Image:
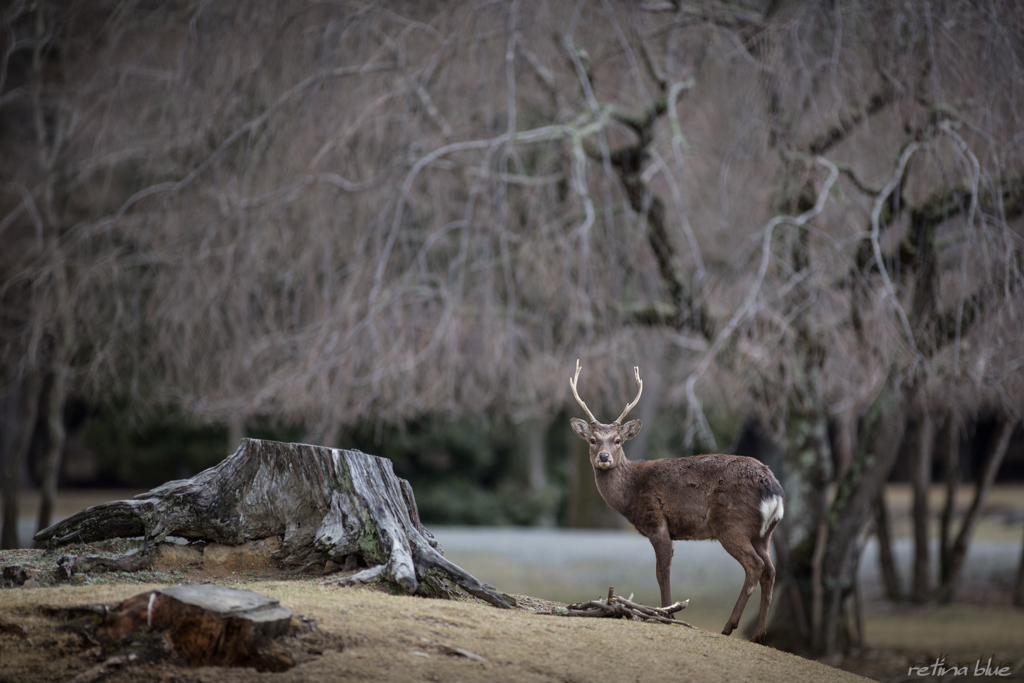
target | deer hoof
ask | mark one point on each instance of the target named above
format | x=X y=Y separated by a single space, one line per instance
x=728 y=629
x=758 y=638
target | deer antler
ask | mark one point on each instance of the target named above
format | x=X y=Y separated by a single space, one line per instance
x=630 y=406
x=572 y=383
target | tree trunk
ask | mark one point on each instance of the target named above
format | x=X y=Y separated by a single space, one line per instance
x=805 y=475
x=30 y=389
x=817 y=589
x=877 y=448
x=958 y=553
x=921 y=476
x=951 y=454
x=534 y=433
x=886 y=560
x=326 y=504
x=528 y=467
x=536 y=462
x=55 y=439
x=806 y=462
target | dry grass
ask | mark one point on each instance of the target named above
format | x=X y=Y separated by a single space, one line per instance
x=382 y=637
x=901 y=636
x=952 y=629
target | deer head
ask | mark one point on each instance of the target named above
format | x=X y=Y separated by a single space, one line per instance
x=605 y=439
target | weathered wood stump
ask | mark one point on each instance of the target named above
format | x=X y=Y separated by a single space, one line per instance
x=325 y=503
x=207 y=625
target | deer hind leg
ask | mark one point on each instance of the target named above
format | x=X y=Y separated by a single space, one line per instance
x=767 y=585
x=663 y=551
x=753 y=565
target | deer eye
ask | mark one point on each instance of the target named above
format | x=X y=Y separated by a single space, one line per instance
x=593 y=440
x=618 y=441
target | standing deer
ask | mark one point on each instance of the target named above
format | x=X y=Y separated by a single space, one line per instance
x=730 y=498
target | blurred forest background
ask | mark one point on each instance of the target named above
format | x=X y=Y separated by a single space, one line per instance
x=396 y=225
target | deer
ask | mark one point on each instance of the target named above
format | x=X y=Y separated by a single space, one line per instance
x=729 y=498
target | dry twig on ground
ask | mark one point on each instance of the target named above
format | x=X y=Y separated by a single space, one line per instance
x=618 y=607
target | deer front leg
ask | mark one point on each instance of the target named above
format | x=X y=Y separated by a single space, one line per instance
x=663 y=550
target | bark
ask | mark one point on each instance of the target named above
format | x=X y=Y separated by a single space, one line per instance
x=806 y=474
x=806 y=462
x=818 y=591
x=843 y=452
x=951 y=453
x=921 y=475
x=876 y=453
x=202 y=624
x=30 y=389
x=807 y=457
x=958 y=552
x=532 y=433
x=798 y=615
x=536 y=431
x=886 y=560
x=326 y=504
x=56 y=437
x=528 y=468
x=688 y=310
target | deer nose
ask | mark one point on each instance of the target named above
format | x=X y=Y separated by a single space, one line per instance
x=604 y=457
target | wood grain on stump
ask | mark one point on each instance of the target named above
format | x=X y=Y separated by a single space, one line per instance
x=208 y=625
x=325 y=504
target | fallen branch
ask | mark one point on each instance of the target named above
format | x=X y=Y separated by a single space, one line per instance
x=618 y=607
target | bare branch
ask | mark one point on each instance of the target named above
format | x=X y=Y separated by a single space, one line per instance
x=696 y=412
x=876 y=212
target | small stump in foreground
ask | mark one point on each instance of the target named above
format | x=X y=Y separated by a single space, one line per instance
x=207 y=625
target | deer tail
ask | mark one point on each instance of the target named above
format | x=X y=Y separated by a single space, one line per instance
x=772 y=507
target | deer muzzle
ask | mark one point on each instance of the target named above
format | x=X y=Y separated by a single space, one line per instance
x=604 y=460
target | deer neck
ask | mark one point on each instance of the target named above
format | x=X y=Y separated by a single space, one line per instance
x=615 y=485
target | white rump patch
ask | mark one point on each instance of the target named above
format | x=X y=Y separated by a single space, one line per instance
x=771 y=512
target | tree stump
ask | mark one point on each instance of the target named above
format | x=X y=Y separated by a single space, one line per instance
x=325 y=503
x=208 y=625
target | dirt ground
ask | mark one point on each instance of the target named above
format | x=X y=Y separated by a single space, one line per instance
x=367 y=634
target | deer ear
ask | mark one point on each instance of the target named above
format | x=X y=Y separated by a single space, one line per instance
x=630 y=429
x=581 y=428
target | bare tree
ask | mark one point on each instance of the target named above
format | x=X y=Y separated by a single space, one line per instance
x=325 y=214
